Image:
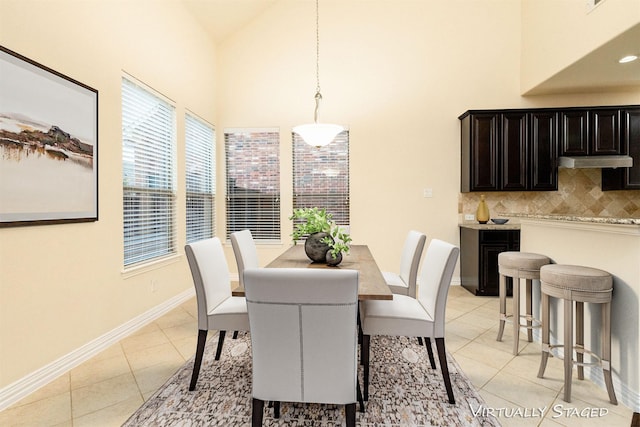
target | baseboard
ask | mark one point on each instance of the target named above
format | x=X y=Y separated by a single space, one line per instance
x=43 y=376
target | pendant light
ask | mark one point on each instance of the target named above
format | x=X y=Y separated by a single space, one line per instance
x=318 y=134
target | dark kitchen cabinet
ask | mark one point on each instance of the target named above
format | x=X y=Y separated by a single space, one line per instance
x=589 y=131
x=479 y=250
x=480 y=152
x=626 y=178
x=508 y=150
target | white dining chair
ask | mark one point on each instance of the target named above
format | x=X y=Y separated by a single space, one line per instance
x=303 y=337
x=423 y=316
x=244 y=249
x=404 y=281
x=217 y=308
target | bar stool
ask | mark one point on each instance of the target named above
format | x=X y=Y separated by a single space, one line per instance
x=518 y=265
x=580 y=284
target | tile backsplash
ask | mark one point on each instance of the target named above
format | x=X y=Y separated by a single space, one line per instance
x=579 y=194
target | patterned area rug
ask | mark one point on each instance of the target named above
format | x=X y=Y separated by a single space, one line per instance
x=403 y=391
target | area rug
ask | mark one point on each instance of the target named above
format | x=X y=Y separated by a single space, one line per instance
x=403 y=391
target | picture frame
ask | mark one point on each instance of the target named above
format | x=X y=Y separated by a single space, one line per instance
x=48 y=145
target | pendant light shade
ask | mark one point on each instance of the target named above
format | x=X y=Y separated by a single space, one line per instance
x=318 y=134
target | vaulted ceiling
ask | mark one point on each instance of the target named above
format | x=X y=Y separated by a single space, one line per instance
x=597 y=71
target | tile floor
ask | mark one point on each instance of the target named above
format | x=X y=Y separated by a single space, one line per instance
x=107 y=389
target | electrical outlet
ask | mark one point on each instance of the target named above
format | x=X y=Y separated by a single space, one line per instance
x=427 y=192
x=469 y=217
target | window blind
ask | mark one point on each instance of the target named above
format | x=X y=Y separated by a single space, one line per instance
x=253 y=182
x=148 y=165
x=200 y=163
x=321 y=176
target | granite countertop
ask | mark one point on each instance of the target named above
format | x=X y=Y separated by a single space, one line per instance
x=577 y=218
x=514 y=222
x=490 y=226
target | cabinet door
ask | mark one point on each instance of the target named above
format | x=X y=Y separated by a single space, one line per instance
x=513 y=152
x=605 y=132
x=626 y=178
x=484 y=152
x=574 y=138
x=489 y=276
x=631 y=141
x=543 y=172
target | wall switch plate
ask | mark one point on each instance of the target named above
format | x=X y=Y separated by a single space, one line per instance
x=427 y=192
x=469 y=217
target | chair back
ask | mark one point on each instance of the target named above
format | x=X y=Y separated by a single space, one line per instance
x=303 y=334
x=210 y=273
x=244 y=249
x=410 y=260
x=435 y=279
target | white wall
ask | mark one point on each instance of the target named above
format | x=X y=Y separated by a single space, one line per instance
x=63 y=285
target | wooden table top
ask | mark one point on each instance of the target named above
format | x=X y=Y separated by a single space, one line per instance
x=371 y=282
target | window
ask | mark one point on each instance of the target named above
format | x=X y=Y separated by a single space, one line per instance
x=200 y=160
x=253 y=182
x=148 y=174
x=321 y=176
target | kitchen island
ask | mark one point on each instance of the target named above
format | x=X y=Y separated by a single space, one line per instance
x=609 y=244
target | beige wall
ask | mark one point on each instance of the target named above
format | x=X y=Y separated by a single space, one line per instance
x=398 y=73
x=556 y=34
x=62 y=286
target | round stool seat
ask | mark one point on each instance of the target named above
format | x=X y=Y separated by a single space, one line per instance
x=521 y=264
x=576 y=278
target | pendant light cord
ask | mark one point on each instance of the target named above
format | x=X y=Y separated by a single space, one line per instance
x=318 y=96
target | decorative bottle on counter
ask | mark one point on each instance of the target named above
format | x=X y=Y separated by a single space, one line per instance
x=482 y=213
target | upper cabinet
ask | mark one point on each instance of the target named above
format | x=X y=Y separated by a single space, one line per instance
x=508 y=150
x=626 y=178
x=518 y=149
x=588 y=131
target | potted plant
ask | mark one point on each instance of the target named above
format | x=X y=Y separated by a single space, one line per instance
x=325 y=241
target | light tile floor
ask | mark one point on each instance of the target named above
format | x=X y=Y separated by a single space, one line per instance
x=107 y=389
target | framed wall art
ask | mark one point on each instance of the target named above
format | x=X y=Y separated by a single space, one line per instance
x=48 y=145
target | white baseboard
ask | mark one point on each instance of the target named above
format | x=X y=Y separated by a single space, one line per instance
x=43 y=376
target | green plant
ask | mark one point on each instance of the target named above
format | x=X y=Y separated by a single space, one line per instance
x=316 y=220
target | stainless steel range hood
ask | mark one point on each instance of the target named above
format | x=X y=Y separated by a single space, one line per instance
x=578 y=162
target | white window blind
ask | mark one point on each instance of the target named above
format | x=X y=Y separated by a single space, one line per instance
x=200 y=164
x=253 y=182
x=148 y=164
x=321 y=176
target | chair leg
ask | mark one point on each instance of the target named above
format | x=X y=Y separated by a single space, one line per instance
x=220 y=342
x=276 y=409
x=427 y=343
x=359 y=395
x=516 y=314
x=257 y=412
x=503 y=305
x=202 y=339
x=545 y=334
x=350 y=414
x=442 y=355
x=364 y=356
x=235 y=335
x=420 y=341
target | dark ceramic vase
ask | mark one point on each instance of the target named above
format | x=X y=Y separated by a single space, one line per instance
x=333 y=261
x=315 y=248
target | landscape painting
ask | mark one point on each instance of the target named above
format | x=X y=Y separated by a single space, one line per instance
x=48 y=145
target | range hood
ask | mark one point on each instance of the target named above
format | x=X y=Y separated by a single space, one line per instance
x=577 y=162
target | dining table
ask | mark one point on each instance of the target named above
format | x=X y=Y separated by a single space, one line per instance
x=371 y=283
